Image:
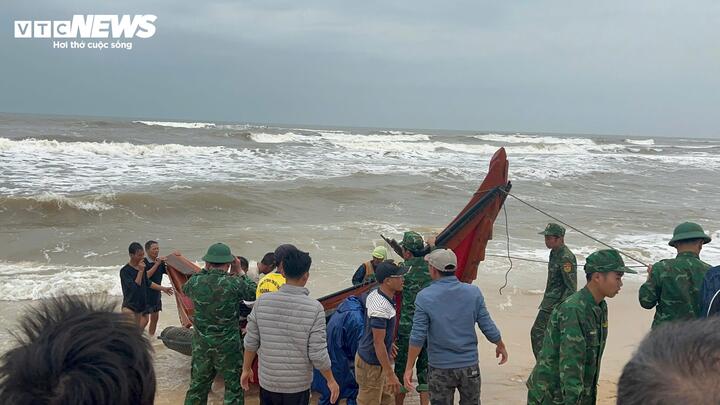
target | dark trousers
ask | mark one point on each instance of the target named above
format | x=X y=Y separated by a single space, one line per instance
x=276 y=398
x=442 y=384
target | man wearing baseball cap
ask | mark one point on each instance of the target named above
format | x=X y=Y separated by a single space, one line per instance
x=366 y=271
x=568 y=365
x=446 y=313
x=216 y=345
x=673 y=285
x=561 y=281
x=377 y=383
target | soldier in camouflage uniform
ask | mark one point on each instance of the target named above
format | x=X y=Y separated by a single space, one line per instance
x=416 y=278
x=568 y=365
x=673 y=285
x=561 y=281
x=216 y=343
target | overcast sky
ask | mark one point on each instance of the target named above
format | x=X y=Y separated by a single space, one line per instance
x=646 y=67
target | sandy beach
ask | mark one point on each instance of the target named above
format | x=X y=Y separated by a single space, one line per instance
x=514 y=312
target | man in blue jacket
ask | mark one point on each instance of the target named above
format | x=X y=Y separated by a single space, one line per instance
x=343 y=334
x=446 y=313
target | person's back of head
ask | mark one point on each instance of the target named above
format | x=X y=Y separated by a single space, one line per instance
x=269 y=259
x=296 y=263
x=73 y=350
x=244 y=264
x=676 y=363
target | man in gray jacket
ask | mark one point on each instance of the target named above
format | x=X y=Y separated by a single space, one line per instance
x=286 y=329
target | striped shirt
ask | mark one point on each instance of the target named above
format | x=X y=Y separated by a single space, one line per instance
x=380 y=310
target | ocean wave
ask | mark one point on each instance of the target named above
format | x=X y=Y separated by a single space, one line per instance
x=170 y=124
x=33 y=281
x=287 y=137
x=53 y=202
x=641 y=142
x=535 y=139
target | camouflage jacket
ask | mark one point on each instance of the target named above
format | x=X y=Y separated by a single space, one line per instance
x=561 y=279
x=417 y=278
x=674 y=287
x=216 y=296
x=568 y=365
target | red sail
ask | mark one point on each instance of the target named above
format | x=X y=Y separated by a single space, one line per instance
x=468 y=234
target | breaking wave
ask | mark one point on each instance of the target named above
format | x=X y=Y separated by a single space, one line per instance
x=169 y=124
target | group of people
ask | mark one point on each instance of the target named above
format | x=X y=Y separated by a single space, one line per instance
x=83 y=352
x=567 y=338
x=286 y=330
x=570 y=331
x=141 y=283
x=433 y=339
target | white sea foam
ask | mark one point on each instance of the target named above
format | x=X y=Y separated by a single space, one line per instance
x=169 y=124
x=32 y=281
x=643 y=142
x=533 y=139
x=83 y=167
x=85 y=203
x=281 y=138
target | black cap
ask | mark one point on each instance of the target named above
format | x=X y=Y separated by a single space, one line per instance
x=387 y=269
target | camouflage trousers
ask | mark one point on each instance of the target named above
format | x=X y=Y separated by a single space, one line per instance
x=537 y=332
x=443 y=383
x=403 y=343
x=224 y=357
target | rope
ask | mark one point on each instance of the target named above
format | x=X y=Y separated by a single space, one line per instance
x=569 y=226
x=507 y=234
x=525 y=259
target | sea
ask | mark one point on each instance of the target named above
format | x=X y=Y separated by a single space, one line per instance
x=76 y=191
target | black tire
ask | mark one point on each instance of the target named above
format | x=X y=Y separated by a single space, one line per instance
x=177 y=339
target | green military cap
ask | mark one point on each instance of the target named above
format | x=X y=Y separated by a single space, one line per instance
x=218 y=253
x=688 y=230
x=553 y=229
x=605 y=261
x=412 y=241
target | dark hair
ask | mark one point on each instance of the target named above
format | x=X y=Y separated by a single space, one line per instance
x=281 y=251
x=588 y=277
x=243 y=263
x=74 y=350
x=149 y=244
x=134 y=248
x=689 y=241
x=269 y=259
x=296 y=263
x=676 y=363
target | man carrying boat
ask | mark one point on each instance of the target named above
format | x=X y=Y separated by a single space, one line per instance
x=673 y=285
x=416 y=278
x=366 y=271
x=561 y=281
x=568 y=365
x=216 y=347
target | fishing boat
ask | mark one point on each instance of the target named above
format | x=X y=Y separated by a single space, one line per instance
x=467 y=235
